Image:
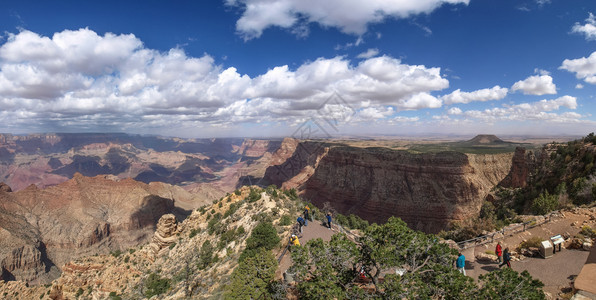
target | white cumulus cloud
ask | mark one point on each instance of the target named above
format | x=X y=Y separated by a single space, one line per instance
x=588 y=29
x=349 y=16
x=534 y=111
x=536 y=85
x=79 y=79
x=457 y=96
x=584 y=67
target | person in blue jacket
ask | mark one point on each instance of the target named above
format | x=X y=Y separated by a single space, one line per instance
x=329 y=220
x=300 y=221
x=460 y=263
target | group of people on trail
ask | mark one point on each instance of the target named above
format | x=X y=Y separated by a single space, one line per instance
x=506 y=255
x=503 y=258
x=303 y=221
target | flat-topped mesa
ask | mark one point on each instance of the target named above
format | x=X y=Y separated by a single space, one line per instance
x=484 y=139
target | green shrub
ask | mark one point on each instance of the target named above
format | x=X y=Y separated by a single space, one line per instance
x=285 y=220
x=214 y=225
x=79 y=292
x=194 y=232
x=155 y=285
x=263 y=235
x=114 y=296
x=126 y=259
x=253 y=196
x=252 y=277
x=588 y=231
x=116 y=253
x=240 y=231
x=545 y=203
x=172 y=245
x=205 y=255
x=534 y=242
x=237 y=192
x=226 y=238
x=232 y=209
x=291 y=193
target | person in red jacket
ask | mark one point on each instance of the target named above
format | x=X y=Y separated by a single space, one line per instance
x=499 y=251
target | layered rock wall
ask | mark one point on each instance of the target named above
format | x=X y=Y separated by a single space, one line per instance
x=428 y=191
x=41 y=229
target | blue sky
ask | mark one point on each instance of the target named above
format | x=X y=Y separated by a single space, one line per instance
x=269 y=68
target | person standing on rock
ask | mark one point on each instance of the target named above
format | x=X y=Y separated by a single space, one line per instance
x=460 y=263
x=506 y=258
x=329 y=220
x=300 y=221
x=499 y=252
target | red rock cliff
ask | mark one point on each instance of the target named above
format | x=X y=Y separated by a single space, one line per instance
x=428 y=191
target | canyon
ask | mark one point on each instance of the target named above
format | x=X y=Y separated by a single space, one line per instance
x=74 y=195
x=427 y=190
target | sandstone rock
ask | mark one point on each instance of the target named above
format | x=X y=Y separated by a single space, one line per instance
x=587 y=245
x=5 y=188
x=428 y=191
x=485 y=257
x=452 y=244
x=574 y=243
x=522 y=166
x=23 y=262
x=165 y=235
x=79 y=217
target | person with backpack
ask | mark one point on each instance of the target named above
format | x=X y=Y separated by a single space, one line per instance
x=329 y=220
x=294 y=240
x=300 y=221
x=506 y=258
x=499 y=252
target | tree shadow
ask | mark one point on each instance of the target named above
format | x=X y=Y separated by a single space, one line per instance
x=488 y=266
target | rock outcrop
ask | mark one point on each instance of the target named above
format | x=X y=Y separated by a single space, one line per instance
x=523 y=165
x=5 y=188
x=165 y=235
x=41 y=229
x=428 y=191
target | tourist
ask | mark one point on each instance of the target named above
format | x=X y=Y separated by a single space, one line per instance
x=300 y=221
x=460 y=264
x=306 y=215
x=506 y=258
x=294 y=240
x=329 y=220
x=499 y=252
